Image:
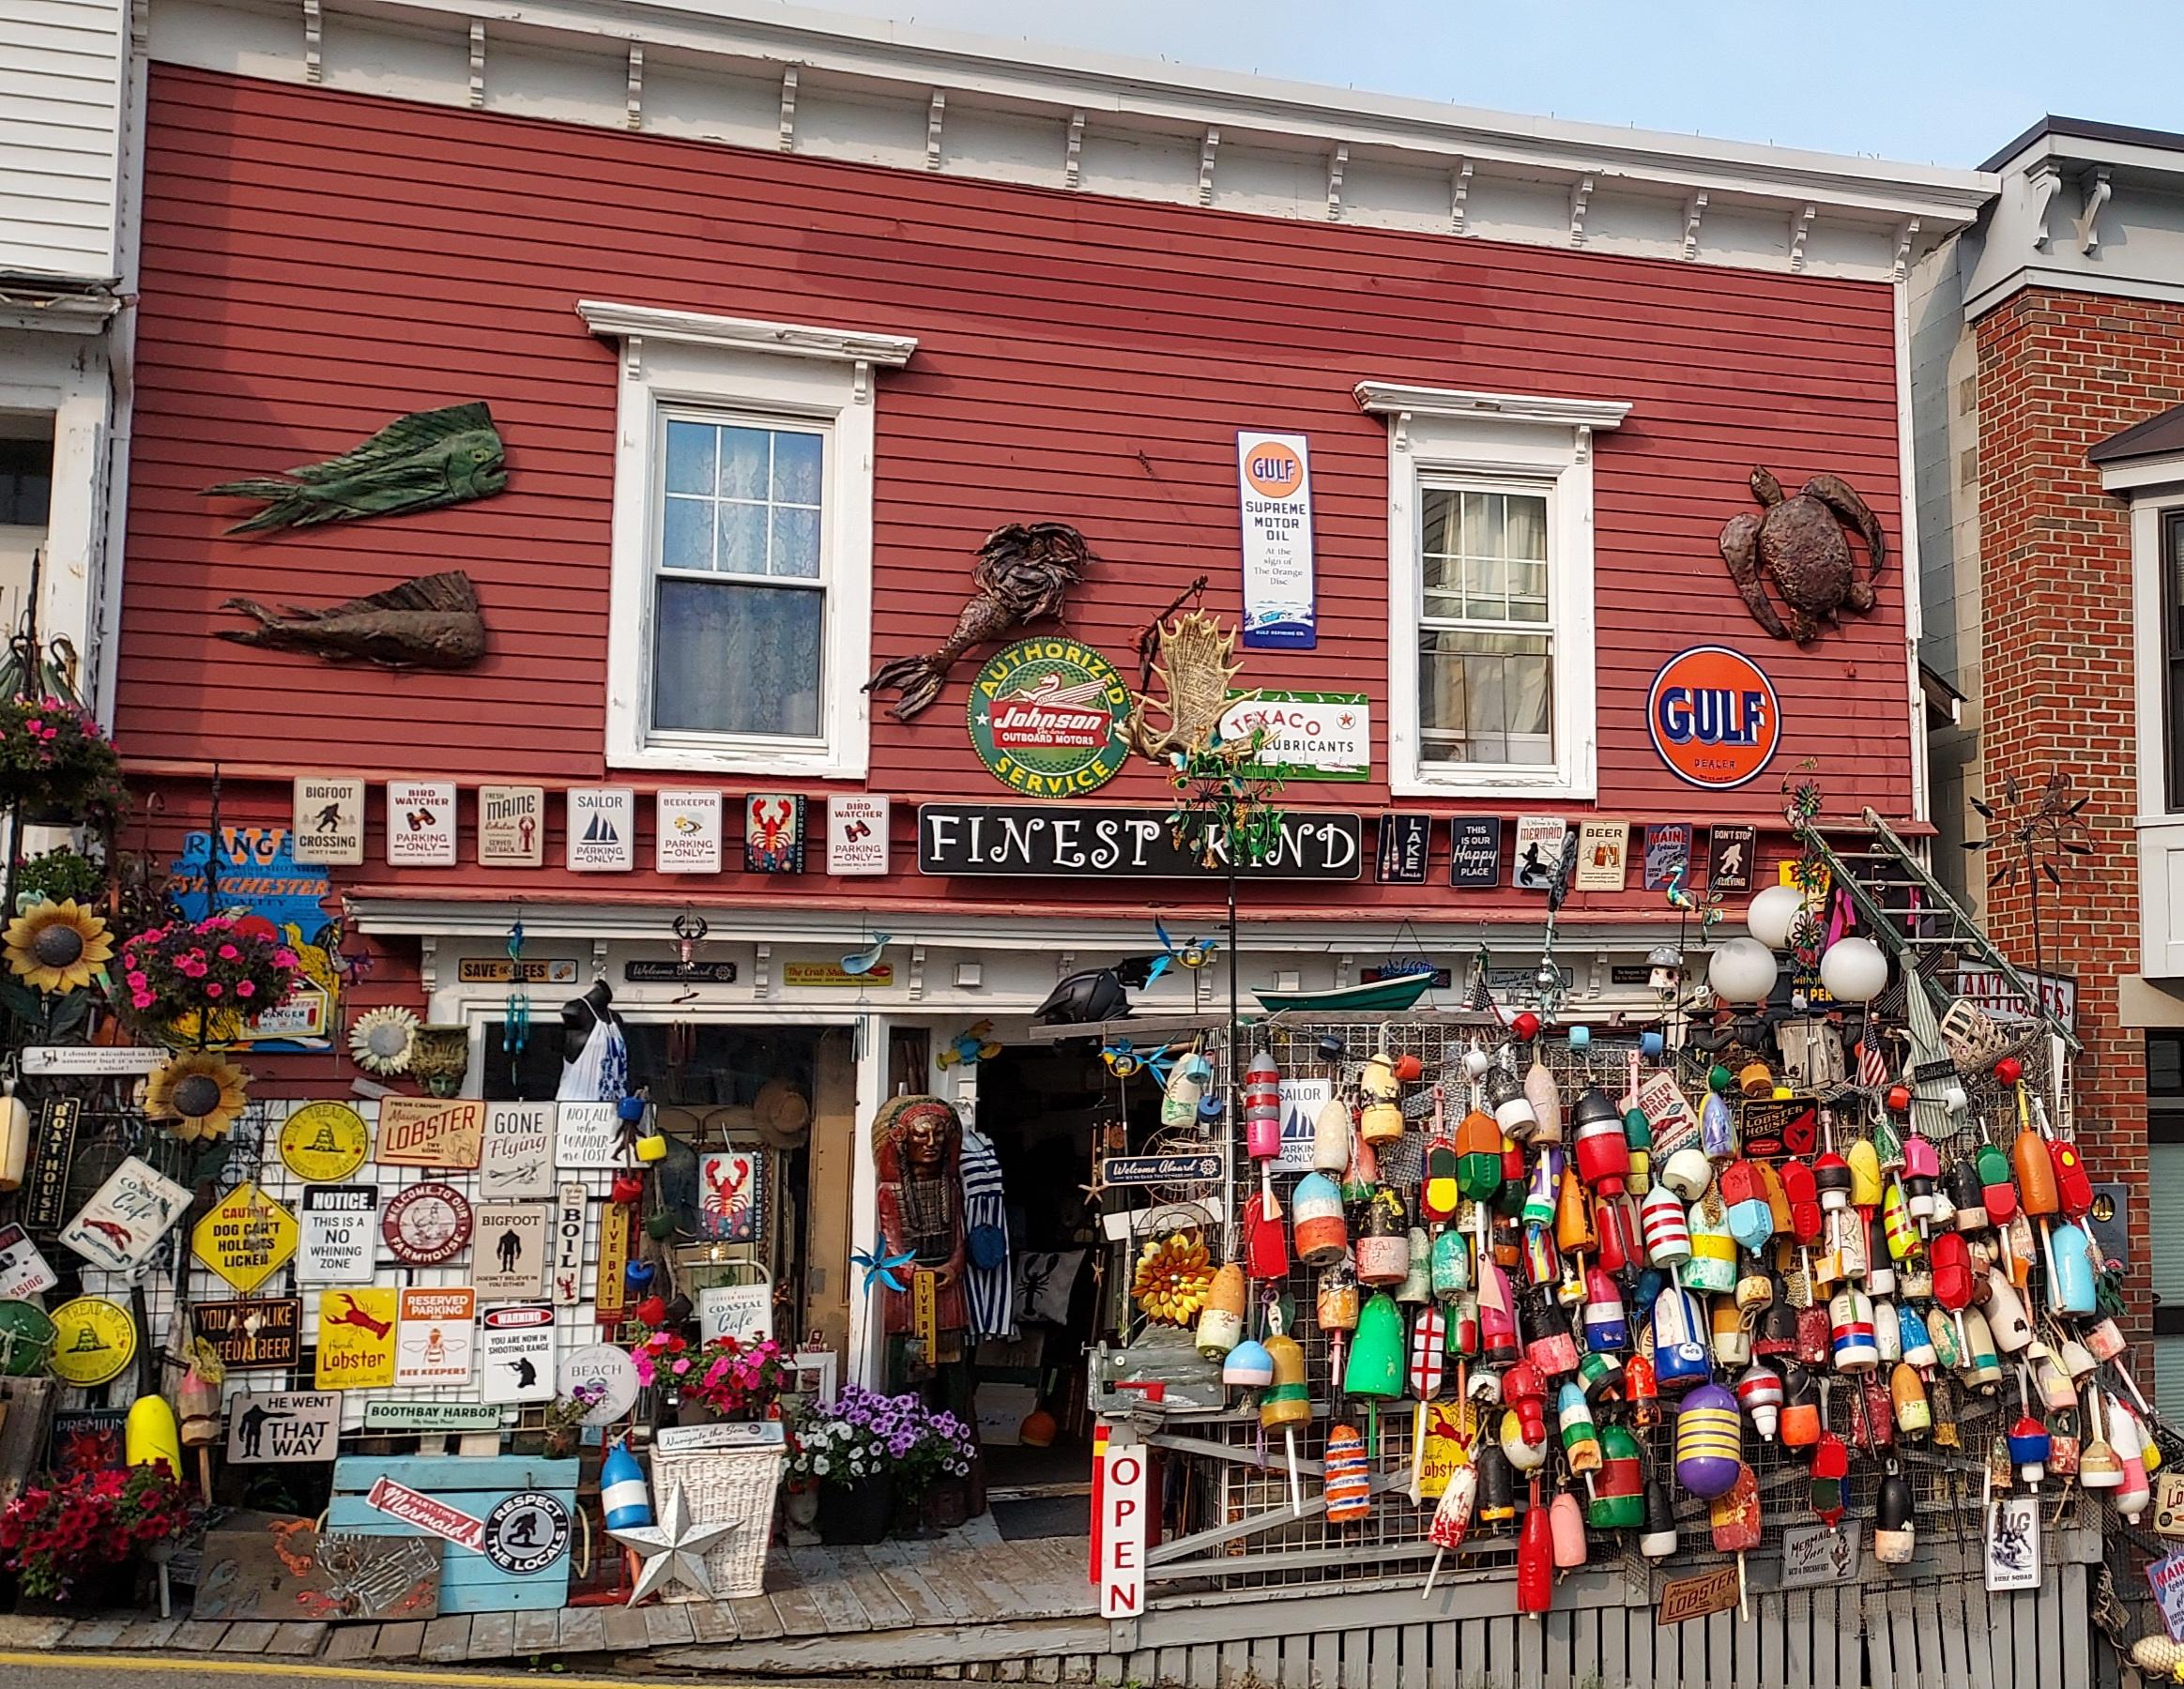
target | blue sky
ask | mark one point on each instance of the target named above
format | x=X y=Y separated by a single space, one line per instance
x=1912 y=79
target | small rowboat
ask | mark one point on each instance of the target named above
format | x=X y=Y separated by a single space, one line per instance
x=1389 y=996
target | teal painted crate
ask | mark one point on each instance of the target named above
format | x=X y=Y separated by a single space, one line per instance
x=469 y=1583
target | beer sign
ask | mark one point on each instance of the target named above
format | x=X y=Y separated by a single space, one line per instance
x=251 y=1336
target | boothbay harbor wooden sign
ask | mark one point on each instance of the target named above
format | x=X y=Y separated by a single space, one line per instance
x=1028 y=839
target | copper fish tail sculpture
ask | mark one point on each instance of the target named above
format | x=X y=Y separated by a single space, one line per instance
x=417 y=462
x=1023 y=574
x=430 y=623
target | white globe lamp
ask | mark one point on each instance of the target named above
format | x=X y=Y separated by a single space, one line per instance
x=1854 y=970
x=1742 y=971
x=1772 y=915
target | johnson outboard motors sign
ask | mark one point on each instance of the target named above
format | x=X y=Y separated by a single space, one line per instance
x=1030 y=839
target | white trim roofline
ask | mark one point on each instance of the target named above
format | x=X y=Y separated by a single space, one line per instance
x=1046 y=78
x=746 y=334
x=1393 y=398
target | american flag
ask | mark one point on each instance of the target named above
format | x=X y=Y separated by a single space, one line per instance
x=1872 y=1065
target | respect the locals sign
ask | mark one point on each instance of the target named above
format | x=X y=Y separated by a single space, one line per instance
x=1134 y=844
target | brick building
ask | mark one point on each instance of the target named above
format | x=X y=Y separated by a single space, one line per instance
x=2051 y=326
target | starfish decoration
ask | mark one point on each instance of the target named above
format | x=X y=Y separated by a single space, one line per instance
x=673 y=1550
x=880 y=1265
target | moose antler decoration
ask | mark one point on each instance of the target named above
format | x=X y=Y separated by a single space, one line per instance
x=1023 y=574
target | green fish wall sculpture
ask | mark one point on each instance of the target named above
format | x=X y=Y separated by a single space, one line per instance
x=417 y=462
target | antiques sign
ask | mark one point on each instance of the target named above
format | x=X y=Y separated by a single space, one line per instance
x=1991 y=990
x=1274 y=478
x=1133 y=844
x=251 y=1336
x=1048 y=717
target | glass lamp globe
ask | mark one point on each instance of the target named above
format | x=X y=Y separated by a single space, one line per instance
x=1854 y=970
x=1742 y=971
x=1774 y=913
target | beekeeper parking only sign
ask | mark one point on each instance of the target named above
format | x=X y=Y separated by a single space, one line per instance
x=1274 y=478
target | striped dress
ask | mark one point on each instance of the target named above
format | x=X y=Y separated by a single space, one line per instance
x=991 y=1290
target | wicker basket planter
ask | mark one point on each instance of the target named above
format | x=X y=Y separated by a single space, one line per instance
x=723 y=1484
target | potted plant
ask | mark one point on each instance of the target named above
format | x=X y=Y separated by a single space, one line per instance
x=188 y=977
x=729 y=1379
x=60 y=1538
x=564 y=1417
x=725 y=1379
x=55 y=763
x=872 y=1455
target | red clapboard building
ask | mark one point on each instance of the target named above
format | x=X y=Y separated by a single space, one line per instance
x=776 y=324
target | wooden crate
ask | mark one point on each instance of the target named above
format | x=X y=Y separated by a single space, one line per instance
x=469 y=1583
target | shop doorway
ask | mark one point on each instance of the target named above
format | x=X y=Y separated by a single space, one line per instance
x=1046 y=1108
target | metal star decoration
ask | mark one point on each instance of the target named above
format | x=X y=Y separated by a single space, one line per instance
x=673 y=1550
x=879 y=1266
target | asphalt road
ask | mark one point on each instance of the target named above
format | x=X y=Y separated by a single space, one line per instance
x=23 y=1671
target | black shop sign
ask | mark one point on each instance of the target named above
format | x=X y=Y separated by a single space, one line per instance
x=1133 y=844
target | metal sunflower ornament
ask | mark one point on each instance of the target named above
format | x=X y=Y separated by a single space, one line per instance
x=2033 y=831
x=57 y=947
x=383 y=1041
x=198 y=1095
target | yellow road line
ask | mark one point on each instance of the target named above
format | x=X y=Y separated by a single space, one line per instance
x=178 y=1663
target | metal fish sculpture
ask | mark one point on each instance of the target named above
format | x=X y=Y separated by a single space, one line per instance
x=429 y=623
x=417 y=462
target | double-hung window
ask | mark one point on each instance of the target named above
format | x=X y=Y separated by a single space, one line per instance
x=742 y=597
x=1490 y=589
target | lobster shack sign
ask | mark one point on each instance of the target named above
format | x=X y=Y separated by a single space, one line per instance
x=1136 y=843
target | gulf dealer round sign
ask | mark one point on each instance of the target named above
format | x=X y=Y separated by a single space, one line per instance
x=1713 y=717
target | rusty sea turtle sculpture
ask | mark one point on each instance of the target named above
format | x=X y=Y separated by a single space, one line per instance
x=1798 y=543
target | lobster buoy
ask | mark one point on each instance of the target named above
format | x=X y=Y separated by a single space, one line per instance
x=1322 y=1234
x=1709 y=1441
x=622 y=1492
x=150 y=1436
x=1894 y=1531
x=14 y=1138
x=1619 y=1492
x=1348 y=1485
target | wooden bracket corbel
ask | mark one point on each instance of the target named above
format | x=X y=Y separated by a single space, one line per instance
x=1401 y=435
x=761 y=970
x=477 y=63
x=1584 y=443
x=861 y=382
x=1580 y=196
x=1072 y=158
x=1906 y=232
x=1800 y=227
x=917 y=973
x=1694 y=208
x=1335 y=166
x=787 y=140
x=2099 y=187
x=936 y=110
x=633 y=357
x=2044 y=181
x=1207 y=148
x=1458 y=193
x=140 y=25
x=314 y=35
x=634 y=113
x=428 y=965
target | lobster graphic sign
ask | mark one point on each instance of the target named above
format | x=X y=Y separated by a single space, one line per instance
x=731 y=1195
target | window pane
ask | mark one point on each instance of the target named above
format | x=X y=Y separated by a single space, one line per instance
x=1486 y=697
x=796 y=544
x=686 y=534
x=1486 y=584
x=690 y=457
x=1473 y=537
x=1527 y=527
x=744 y=539
x=744 y=454
x=1437 y=523
x=1527 y=591
x=796 y=468
x=734 y=658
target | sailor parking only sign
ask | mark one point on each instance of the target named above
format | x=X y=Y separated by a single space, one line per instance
x=1713 y=717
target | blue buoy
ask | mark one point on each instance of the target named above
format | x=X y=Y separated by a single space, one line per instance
x=622 y=1492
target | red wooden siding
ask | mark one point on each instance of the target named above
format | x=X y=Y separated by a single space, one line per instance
x=316 y=263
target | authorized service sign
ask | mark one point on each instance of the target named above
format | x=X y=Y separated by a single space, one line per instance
x=1047 y=718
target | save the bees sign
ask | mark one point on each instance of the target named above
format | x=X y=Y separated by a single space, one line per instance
x=246 y=1239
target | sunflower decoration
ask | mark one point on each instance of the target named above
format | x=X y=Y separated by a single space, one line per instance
x=383 y=1041
x=57 y=947
x=198 y=1093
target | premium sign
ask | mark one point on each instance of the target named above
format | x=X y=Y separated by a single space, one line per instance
x=429 y=1131
x=356 y=1338
x=426 y=1225
x=435 y=1335
x=512 y=826
x=53 y=1152
x=420 y=824
x=516 y=1353
x=1274 y=480
x=603 y=828
x=587 y=1137
x=126 y=1218
x=251 y=1336
x=1133 y=844
x=518 y=1159
x=246 y=1239
x=686 y=831
x=323 y=1143
x=857 y=835
x=1306 y=736
x=23 y=1271
x=282 y=1428
x=1713 y=717
x=339 y=1232
x=327 y=821
x=572 y=1203
x=514 y=1240
x=430 y=1515
x=1050 y=716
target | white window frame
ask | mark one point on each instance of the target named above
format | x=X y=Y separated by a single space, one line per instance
x=732 y=370
x=1504 y=443
x=2154 y=488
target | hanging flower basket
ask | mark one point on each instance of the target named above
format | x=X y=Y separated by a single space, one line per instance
x=209 y=975
x=55 y=763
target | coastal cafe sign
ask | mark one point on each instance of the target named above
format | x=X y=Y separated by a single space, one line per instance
x=1136 y=843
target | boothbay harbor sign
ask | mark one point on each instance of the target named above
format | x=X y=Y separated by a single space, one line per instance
x=1010 y=839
